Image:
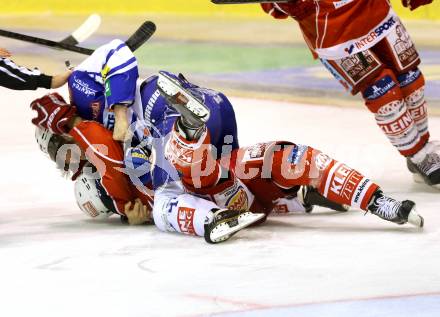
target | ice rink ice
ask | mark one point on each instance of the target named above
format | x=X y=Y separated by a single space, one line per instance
x=56 y=262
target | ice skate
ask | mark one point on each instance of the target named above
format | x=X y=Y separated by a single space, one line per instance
x=309 y=197
x=194 y=112
x=399 y=212
x=224 y=223
x=425 y=165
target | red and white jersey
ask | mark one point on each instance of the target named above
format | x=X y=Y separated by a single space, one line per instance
x=107 y=156
x=337 y=29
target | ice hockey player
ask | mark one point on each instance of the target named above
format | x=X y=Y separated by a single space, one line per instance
x=87 y=149
x=365 y=46
x=17 y=77
x=255 y=177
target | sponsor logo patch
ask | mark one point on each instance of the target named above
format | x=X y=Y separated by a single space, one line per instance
x=373 y=36
x=380 y=88
x=238 y=200
x=344 y=182
x=359 y=67
x=408 y=78
x=350 y=49
x=83 y=87
x=185 y=219
x=90 y=209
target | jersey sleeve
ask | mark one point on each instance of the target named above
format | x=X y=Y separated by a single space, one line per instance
x=114 y=67
x=120 y=74
x=107 y=156
x=17 y=77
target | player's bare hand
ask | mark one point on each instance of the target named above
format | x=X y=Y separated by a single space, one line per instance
x=60 y=79
x=4 y=53
x=137 y=213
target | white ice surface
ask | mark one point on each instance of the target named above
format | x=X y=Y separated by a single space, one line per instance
x=55 y=262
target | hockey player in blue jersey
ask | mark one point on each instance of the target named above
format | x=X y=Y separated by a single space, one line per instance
x=105 y=88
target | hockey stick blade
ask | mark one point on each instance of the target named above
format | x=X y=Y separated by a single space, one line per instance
x=246 y=1
x=45 y=42
x=84 y=31
x=142 y=34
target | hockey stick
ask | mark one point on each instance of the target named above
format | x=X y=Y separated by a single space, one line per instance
x=84 y=31
x=45 y=42
x=246 y=1
x=136 y=40
x=141 y=35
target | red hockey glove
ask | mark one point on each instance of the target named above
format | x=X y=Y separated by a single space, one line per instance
x=297 y=9
x=414 y=4
x=53 y=113
x=269 y=8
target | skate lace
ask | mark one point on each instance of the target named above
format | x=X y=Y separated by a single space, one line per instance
x=430 y=164
x=387 y=208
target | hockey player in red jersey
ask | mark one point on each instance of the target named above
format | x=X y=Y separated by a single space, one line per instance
x=367 y=49
x=73 y=143
x=256 y=177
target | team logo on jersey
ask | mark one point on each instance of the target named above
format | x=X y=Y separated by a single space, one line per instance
x=90 y=209
x=185 y=219
x=238 y=200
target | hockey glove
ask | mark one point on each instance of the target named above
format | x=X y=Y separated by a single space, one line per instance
x=299 y=9
x=53 y=113
x=414 y=4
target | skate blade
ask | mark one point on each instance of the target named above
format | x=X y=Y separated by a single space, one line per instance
x=172 y=88
x=415 y=219
x=419 y=180
x=223 y=231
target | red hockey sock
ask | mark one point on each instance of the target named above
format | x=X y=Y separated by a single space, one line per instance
x=384 y=98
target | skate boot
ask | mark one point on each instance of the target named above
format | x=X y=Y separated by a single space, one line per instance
x=309 y=197
x=224 y=223
x=425 y=165
x=399 y=212
x=194 y=114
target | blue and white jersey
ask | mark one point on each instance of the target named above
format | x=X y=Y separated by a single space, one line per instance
x=153 y=120
x=106 y=78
